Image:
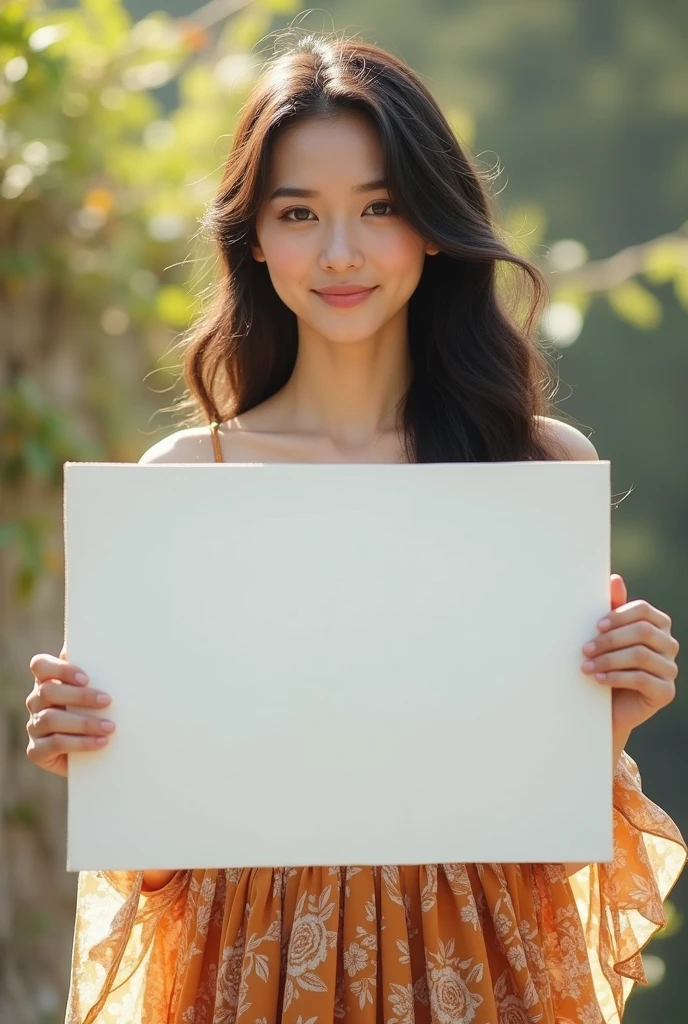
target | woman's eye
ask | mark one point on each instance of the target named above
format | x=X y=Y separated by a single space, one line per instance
x=374 y=207
x=301 y=214
x=295 y=210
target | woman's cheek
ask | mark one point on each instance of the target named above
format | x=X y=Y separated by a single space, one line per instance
x=287 y=261
x=400 y=253
x=289 y=276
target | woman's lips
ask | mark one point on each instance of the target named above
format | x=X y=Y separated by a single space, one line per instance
x=349 y=299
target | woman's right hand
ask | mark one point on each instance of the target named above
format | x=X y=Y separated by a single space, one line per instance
x=55 y=726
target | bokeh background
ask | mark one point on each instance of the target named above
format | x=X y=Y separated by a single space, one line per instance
x=114 y=123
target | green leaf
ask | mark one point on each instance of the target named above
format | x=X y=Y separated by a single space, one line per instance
x=173 y=305
x=111 y=18
x=635 y=304
x=681 y=287
x=244 y=31
x=665 y=261
x=197 y=85
x=283 y=6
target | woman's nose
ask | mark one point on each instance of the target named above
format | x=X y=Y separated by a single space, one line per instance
x=340 y=251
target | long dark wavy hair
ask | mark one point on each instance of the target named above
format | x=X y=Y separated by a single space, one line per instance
x=479 y=379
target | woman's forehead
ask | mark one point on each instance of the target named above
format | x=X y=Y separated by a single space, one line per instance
x=326 y=153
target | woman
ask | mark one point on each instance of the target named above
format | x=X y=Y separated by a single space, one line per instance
x=359 y=320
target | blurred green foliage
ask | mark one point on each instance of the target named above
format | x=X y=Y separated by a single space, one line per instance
x=101 y=191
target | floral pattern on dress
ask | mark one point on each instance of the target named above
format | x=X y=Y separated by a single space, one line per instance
x=398 y=944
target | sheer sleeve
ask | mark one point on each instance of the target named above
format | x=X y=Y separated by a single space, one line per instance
x=620 y=903
x=125 y=946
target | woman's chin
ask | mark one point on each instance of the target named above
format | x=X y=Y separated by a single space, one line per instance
x=348 y=337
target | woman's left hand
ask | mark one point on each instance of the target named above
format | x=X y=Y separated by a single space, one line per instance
x=636 y=654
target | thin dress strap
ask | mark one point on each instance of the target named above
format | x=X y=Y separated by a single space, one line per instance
x=214 y=427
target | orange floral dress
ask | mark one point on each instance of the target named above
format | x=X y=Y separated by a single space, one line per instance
x=421 y=944
x=393 y=944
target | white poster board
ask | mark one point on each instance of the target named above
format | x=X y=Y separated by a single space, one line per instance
x=340 y=664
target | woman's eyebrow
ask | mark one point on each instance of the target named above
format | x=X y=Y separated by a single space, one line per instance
x=290 y=191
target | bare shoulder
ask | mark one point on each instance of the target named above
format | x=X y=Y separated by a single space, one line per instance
x=194 y=444
x=569 y=440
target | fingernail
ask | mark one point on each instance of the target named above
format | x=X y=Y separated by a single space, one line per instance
x=102 y=698
x=588 y=666
x=106 y=725
x=81 y=677
x=604 y=624
x=101 y=740
x=589 y=648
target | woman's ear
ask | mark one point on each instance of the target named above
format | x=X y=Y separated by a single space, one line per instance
x=257 y=253
x=432 y=249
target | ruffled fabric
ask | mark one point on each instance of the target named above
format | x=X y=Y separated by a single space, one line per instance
x=408 y=944
x=620 y=904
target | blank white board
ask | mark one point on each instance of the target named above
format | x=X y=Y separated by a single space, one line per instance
x=339 y=664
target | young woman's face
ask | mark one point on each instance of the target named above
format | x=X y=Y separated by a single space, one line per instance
x=327 y=221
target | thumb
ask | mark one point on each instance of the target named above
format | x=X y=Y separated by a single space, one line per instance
x=619 y=594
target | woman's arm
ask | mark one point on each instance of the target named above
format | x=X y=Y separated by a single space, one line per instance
x=636 y=653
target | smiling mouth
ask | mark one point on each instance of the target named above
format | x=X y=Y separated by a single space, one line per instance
x=348 y=298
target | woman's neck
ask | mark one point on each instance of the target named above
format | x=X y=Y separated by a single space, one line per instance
x=347 y=391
